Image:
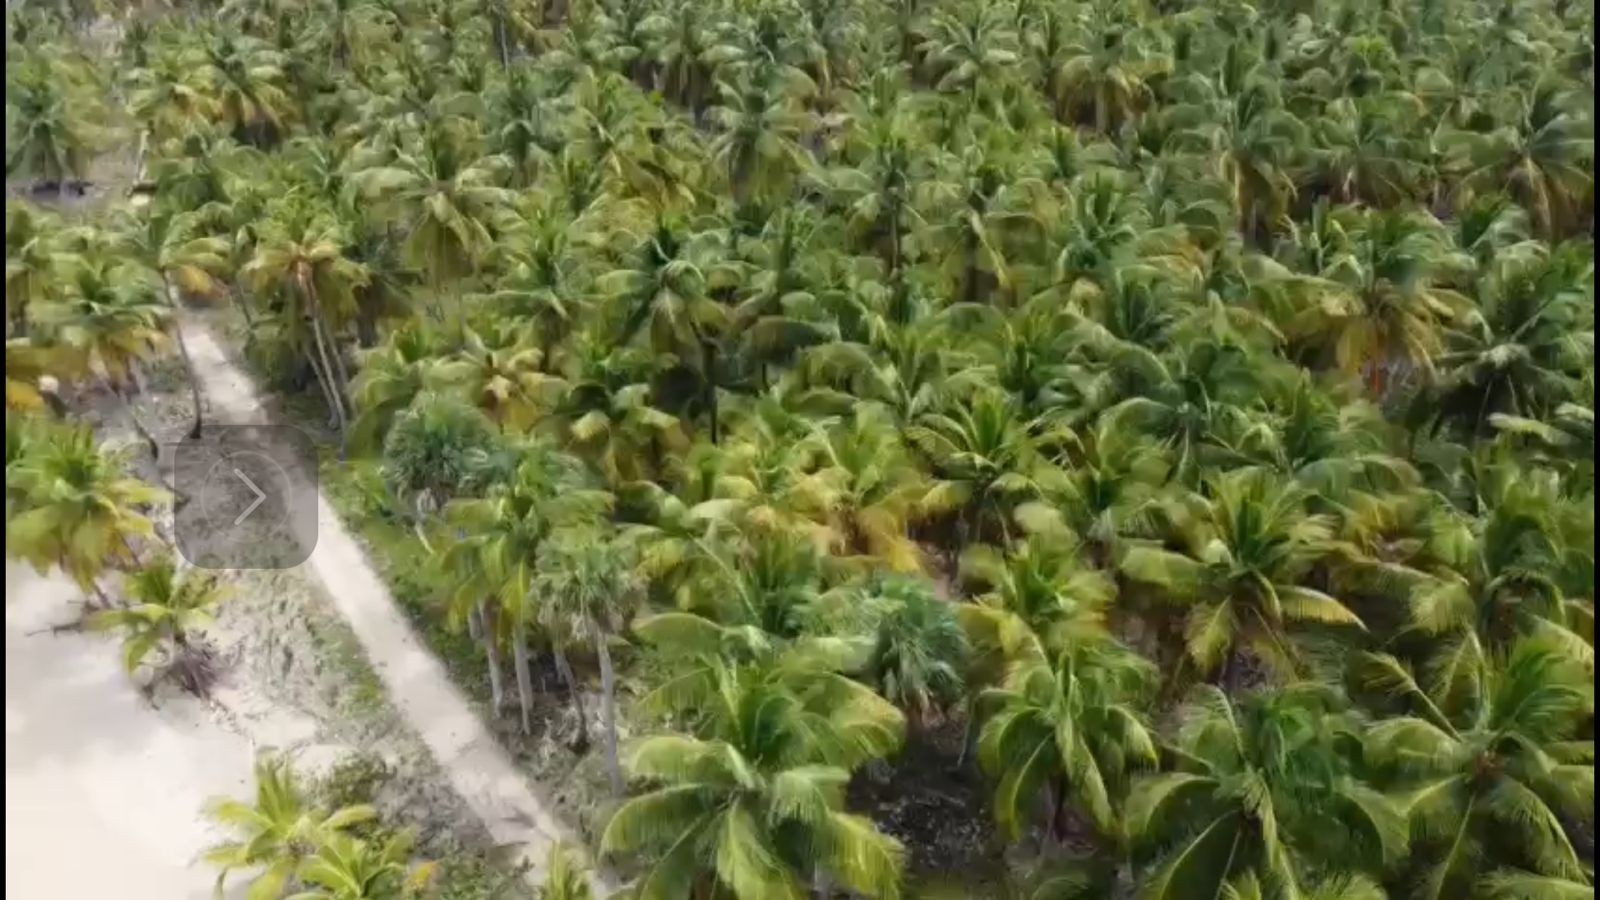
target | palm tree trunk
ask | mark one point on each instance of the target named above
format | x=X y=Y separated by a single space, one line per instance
x=608 y=709
x=969 y=733
x=519 y=660
x=501 y=45
x=339 y=368
x=491 y=649
x=183 y=351
x=564 y=667
x=322 y=351
x=327 y=390
x=138 y=159
x=244 y=309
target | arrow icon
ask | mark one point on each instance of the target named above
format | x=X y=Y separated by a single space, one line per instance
x=259 y=497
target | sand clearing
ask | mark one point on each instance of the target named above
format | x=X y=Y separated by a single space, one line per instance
x=103 y=791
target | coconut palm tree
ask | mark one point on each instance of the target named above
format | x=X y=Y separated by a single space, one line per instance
x=50 y=131
x=80 y=510
x=492 y=564
x=244 y=79
x=1489 y=788
x=920 y=651
x=1249 y=545
x=586 y=590
x=167 y=608
x=348 y=868
x=110 y=319
x=1544 y=155
x=189 y=263
x=1381 y=306
x=984 y=458
x=302 y=255
x=754 y=806
x=447 y=199
x=278 y=832
x=1069 y=727
x=1525 y=350
x=1042 y=581
x=34 y=263
x=1264 y=793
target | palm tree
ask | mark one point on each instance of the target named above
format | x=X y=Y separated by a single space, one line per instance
x=920 y=650
x=566 y=877
x=971 y=48
x=587 y=589
x=872 y=486
x=1041 y=580
x=664 y=294
x=277 y=833
x=110 y=319
x=34 y=263
x=390 y=378
x=1545 y=156
x=1380 y=306
x=244 y=80
x=1248 y=547
x=302 y=254
x=1264 y=791
x=1067 y=725
x=1365 y=153
x=80 y=511
x=878 y=191
x=1522 y=354
x=50 y=135
x=348 y=868
x=167 y=608
x=492 y=563
x=758 y=141
x=1499 y=581
x=1113 y=67
x=448 y=201
x=754 y=808
x=984 y=458
x=187 y=262
x=1489 y=788
x=500 y=375
x=1249 y=136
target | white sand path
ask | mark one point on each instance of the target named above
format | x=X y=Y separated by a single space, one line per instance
x=476 y=765
x=103 y=791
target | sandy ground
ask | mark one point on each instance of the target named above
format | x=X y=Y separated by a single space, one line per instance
x=103 y=791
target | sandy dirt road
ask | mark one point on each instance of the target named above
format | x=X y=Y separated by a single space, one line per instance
x=103 y=791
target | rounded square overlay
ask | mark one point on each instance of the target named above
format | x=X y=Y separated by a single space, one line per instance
x=247 y=497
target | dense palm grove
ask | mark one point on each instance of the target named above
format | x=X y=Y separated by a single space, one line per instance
x=1190 y=402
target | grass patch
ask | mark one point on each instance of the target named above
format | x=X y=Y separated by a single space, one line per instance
x=402 y=561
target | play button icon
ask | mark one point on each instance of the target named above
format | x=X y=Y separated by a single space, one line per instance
x=245 y=498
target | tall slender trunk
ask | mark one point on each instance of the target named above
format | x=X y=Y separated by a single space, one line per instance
x=322 y=351
x=244 y=309
x=327 y=390
x=608 y=709
x=501 y=45
x=969 y=732
x=339 y=367
x=564 y=667
x=183 y=351
x=708 y=356
x=491 y=649
x=519 y=659
x=138 y=160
